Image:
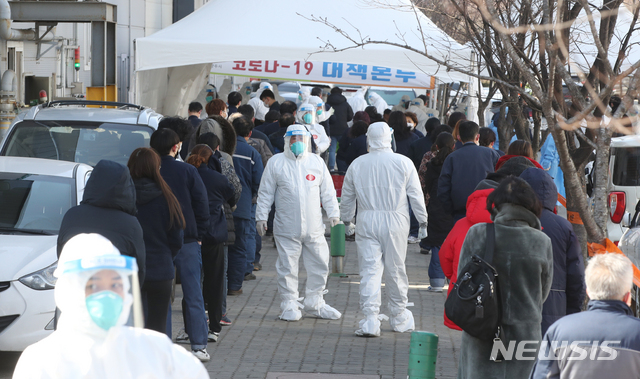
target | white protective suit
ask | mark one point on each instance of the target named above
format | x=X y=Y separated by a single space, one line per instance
x=378 y=102
x=380 y=182
x=357 y=101
x=417 y=107
x=79 y=348
x=317 y=131
x=304 y=94
x=403 y=105
x=257 y=104
x=299 y=185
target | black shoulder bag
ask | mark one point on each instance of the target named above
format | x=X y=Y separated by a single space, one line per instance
x=474 y=302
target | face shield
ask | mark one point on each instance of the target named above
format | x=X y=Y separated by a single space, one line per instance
x=297 y=142
x=306 y=114
x=98 y=291
x=321 y=114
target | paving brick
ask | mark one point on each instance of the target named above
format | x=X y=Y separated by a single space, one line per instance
x=259 y=345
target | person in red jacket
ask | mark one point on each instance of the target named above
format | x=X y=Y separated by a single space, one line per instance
x=450 y=251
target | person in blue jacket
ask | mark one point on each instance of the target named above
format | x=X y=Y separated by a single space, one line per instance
x=550 y=161
x=568 y=287
x=248 y=165
x=187 y=186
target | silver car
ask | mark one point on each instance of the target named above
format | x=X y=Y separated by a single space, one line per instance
x=80 y=131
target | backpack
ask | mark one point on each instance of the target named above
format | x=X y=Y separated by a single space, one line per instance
x=474 y=302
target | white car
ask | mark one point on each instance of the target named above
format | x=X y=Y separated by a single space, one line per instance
x=35 y=194
x=623 y=184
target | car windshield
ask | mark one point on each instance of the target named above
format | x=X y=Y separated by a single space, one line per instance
x=626 y=169
x=76 y=141
x=34 y=203
x=392 y=97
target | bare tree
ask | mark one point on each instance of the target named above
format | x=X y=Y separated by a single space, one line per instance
x=536 y=52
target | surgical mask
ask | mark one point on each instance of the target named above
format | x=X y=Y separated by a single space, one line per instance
x=297 y=148
x=412 y=126
x=307 y=118
x=248 y=90
x=299 y=97
x=209 y=98
x=104 y=308
x=319 y=112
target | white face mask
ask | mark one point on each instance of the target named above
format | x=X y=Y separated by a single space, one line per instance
x=411 y=126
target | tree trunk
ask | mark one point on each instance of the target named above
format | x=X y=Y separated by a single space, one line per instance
x=601 y=167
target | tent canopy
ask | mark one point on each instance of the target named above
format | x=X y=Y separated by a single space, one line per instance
x=283 y=31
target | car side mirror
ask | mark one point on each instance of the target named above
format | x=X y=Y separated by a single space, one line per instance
x=626 y=220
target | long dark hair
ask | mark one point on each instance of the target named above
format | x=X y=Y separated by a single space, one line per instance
x=445 y=144
x=145 y=163
x=398 y=121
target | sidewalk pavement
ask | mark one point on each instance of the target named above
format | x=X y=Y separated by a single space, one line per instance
x=259 y=345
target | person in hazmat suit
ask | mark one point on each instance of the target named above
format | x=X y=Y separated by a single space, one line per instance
x=357 y=101
x=96 y=290
x=417 y=107
x=257 y=104
x=380 y=182
x=299 y=182
x=307 y=115
x=403 y=105
x=304 y=93
x=378 y=102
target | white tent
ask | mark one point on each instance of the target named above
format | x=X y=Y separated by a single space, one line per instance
x=172 y=65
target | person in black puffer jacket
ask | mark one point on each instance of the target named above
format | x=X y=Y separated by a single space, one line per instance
x=160 y=216
x=440 y=222
x=342 y=114
x=219 y=192
x=108 y=208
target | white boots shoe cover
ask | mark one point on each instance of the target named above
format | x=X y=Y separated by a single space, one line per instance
x=315 y=306
x=402 y=322
x=370 y=326
x=291 y=310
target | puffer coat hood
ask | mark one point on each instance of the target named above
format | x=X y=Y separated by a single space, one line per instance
x=146 y=190
x=110 y=186
x=543 y=185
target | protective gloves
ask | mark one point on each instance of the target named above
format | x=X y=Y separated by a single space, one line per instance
x=262 y=227
x=334 y=221
x=422 y=233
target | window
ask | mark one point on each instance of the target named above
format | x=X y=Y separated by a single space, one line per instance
x=34 y=202
x=626 y=168
x=76 y=141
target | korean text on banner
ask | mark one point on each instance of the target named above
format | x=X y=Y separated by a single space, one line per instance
x=324 y=72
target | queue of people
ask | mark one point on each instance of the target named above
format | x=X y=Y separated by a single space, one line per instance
x=202 y=214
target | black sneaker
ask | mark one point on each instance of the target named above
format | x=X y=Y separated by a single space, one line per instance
x=213 y=336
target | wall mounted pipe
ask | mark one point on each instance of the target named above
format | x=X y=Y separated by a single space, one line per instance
x=6 y=33
x=8 y=82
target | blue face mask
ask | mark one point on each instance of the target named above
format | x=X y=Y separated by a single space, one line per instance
x=299 y=97
x=307 y=118
x=319 y=112
x=104 y=308
x=208 y=98
x=297 y=148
